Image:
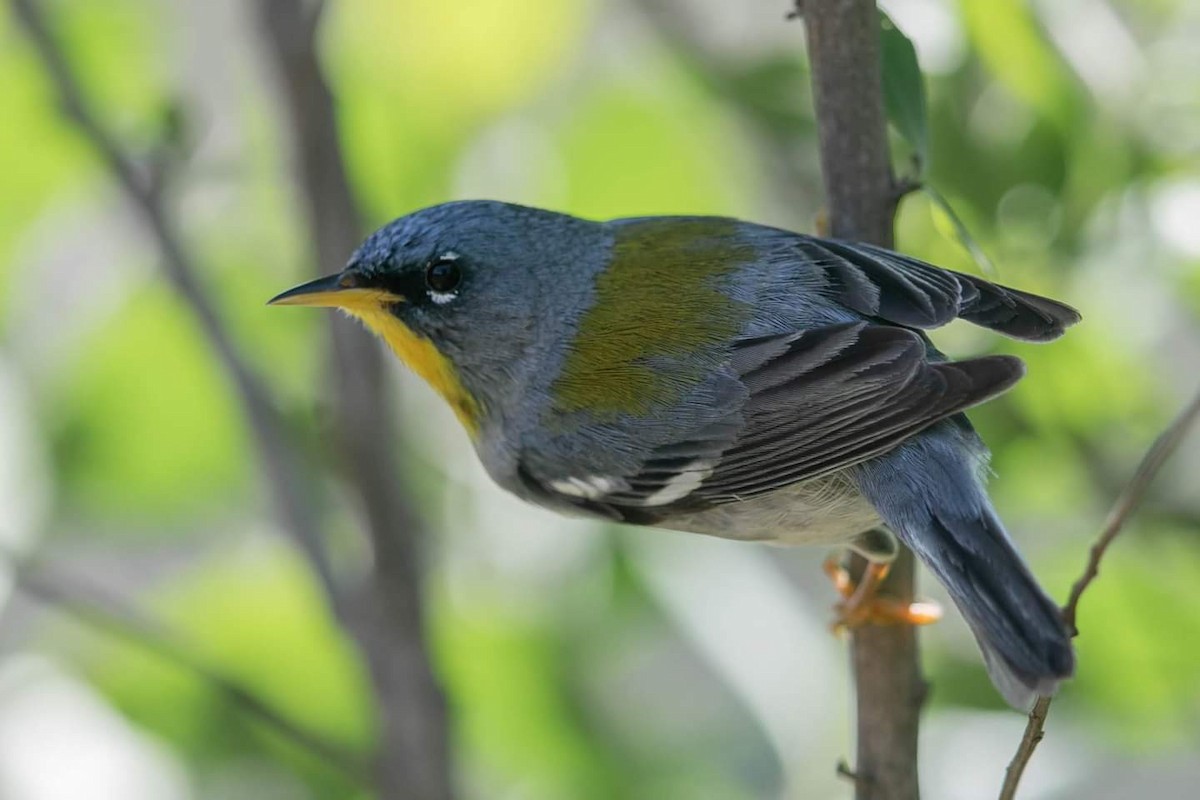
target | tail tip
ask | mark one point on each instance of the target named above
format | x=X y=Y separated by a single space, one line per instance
x=1021 y=689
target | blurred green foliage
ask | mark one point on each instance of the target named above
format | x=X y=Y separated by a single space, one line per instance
x=1067 y=174
x=253 y=612
x=105 y=461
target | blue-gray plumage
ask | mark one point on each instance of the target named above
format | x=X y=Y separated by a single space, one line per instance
x=716 y=376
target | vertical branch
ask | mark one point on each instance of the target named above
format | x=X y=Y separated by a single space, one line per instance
x=843 y=47
x=385 y=614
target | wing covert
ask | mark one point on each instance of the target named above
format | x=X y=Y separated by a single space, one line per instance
x=819 y=401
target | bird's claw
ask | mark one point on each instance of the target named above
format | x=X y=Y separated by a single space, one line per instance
x=861 y=604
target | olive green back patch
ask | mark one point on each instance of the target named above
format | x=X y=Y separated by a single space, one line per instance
x=660 y=297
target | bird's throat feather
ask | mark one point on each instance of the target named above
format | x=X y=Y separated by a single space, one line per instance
x=423 y=358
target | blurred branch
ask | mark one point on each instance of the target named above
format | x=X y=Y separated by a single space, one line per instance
x=385 y=614
x=98 y=610
x=844 y=50
x=1127 y=502
x=313 y=16
x=1104 y=475
x=293 y=487
x=1129 y=499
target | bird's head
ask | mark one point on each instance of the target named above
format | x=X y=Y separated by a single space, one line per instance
x=458 y=291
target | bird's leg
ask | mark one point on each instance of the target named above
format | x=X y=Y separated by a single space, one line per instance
x=862 y=605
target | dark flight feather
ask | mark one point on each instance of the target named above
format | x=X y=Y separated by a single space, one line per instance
x=906 y=291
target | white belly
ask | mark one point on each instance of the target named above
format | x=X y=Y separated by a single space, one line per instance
x=826 y=511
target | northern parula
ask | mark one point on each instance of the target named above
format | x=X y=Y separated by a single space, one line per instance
x=715 y=376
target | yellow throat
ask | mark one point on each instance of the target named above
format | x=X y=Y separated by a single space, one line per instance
x=423 y=358
x=420 y=354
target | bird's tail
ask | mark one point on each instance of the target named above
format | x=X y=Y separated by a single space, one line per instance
x=928 y=491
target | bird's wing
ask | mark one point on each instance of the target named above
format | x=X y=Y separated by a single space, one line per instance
x=906 y=291
x=819 y=401
x=826 y=397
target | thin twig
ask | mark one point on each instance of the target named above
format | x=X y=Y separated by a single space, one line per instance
x=843 y=771
x=102 y=611
x=1162 y=449
x=1128 y=501
x=292 y=484
x=1035 y=730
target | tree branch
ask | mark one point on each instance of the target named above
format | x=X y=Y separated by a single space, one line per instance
x=1127 y=502
x=99 y=610
x=385 y=617
x=383 y=612
x=292 y=485
x=843 y=47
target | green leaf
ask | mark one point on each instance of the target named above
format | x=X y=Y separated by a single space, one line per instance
x=961 y=232
x=904 y=89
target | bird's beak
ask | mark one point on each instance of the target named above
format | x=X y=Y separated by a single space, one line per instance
x=343 y=290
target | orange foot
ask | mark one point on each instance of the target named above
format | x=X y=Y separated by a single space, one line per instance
x=861 y=605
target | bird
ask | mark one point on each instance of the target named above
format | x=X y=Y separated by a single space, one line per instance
x=721 y=377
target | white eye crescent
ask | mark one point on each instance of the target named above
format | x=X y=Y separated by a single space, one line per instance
x=442 y=278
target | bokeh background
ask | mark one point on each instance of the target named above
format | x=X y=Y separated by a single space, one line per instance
x=579 y=661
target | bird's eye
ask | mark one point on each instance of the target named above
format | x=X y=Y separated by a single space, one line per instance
x=443 y=276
